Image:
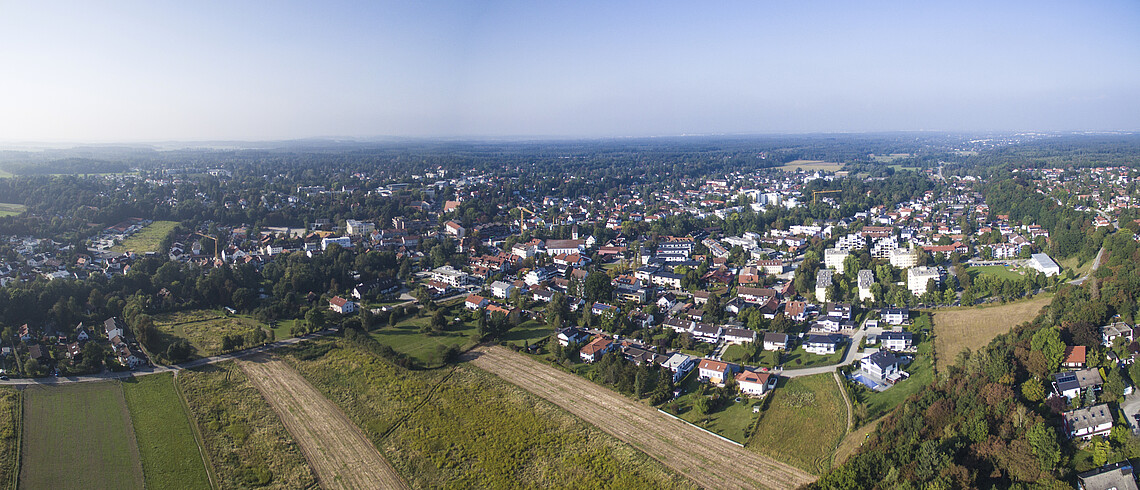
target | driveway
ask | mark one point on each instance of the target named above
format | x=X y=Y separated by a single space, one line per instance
x=1131 y=408
x=853 y=355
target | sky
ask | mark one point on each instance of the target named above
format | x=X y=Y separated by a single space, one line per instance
x=139 y=71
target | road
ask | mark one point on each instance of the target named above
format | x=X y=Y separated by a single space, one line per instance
x=852 y=356
x=1095 y=264
x=708 y=460
x=49 y=381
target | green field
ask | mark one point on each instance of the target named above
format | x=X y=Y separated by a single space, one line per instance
x=730 y=420
x=9 y=436
x=146 y=240
x=921 y=374
x=811 y=166
x=474 y=430
x=7 y=209
x=890 y=158
x=78 y=436
x=204 y=330
x=246 y=442
x=800 y=358
x=407 y=338
x=170 y=454
x=1000 y=271
x=803 y=422
x=531 y=331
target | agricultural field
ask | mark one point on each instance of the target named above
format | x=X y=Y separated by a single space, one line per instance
x=245 y=441
x=7 y=209
x=9 y=436
x=811 y=166
x=423 y=422
x=336 y=449
x=803 y=422
x=78 y=436
x=204 y=330
x=146 y=240
x=170 y=454
x=957 y=329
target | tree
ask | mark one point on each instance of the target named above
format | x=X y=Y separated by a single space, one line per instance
x=598 y=287
x=1033 y=390
x=93 y=354
x=1047 y=341
x=32 y=367
x=1043 y=440
x=178 y=351
x=315 y=318
x=1113 y=386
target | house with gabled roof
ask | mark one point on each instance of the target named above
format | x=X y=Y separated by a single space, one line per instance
x=595 y=349
x=1074 y=356
x=713 y=371
x=341 y=305
x=754 y=383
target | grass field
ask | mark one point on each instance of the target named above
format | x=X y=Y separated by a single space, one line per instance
x=7 y=209
x=170 y=454
x=804 y=421
x=247 y=444
x=957 y=329
x=9 y=436
x=474 y=430
x=921 y=372
x=999 y=271
x=731 y=420
x=531 y=331
x=202 y=328
x=811 y=165
x=146 y=240
x=1074 y=263
x=800 y=358
x=406 y=338
x=78 y=436
x=889 y=158
x=852 y=442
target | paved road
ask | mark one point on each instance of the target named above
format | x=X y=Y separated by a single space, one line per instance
x=852 y=356
x=164 y=369
x=1095 y=264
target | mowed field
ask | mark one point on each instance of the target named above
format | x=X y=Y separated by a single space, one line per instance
x=336 y=449
x=78 y=436
x=244 y=439
x=803 y=423
x=171 y=457
x=202 y=328
x=148 y=239
x=812 y=165
x=462 y=427
x=957 y=329
x=9 y=435
x=706 y=459
x=8 y=209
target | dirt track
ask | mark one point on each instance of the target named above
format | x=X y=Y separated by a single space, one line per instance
x=336 y=449
x=706 y=459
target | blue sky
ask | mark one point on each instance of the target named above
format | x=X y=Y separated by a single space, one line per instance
x=151 y=71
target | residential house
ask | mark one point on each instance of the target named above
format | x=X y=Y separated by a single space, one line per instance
x=897 y=340
x=475 y=302
x=796 y=311
x=1074 y=356
x=713 y=371
x=341 y=305
x=1115 y=476
x=1110 y=332
x=38 y=352
x=81 y=333
x=539 y=274
x=866 y=279
x=881 y=366
x=572 y=335
x=24 y=332
x=1085 y=423
x=129 y=356
x=680 y=365
x=449 y=275
x=894 y=316
x=114 y=327
x=822 y=344
x=734 y=335
x=502 y=289
x=752 y=383
x=775 y=341
x=595 y=349
x=707 y=333
x=679 y=324
x=1071 y=384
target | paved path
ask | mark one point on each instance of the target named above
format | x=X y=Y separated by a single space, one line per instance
x=853 y=355
x=1095 y=264
x=144 y=371
x=708 y=460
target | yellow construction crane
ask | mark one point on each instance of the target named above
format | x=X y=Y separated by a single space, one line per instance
x=815 y=195
x=216 y=254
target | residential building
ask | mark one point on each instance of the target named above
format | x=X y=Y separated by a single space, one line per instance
x=1110 y=332
x=706 y=332
x=595 y=349
x=918 y=277
x=713 y=371
x=341 y=305
x=680 y=365
x=502 y=289
x=354 y=227
x=343 y=241
x=1084 y=423
x=823 y=280
x=894 y=316
x=866 y=278
x=775 y=341
x=822 y=344
x=450 y=276
x=903 y=258
x=881 y=366
x=1074 y=356
x=1115 y=476
x=733 y=335
x=896 y=340
x=475 y=302
x=833 y=259
x=752 y=383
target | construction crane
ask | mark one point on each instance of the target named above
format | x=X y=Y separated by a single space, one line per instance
x=216 y=254
x=815 y=195
x=522 y=217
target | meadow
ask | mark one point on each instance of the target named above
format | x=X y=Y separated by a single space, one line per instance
x=204 y=330
x=146 y=240
x=802 y=422
x=811 y=166
x=958 y=329
x=246 y=442
x=8 y=209
x=9 y=436
x=170 y=454
x=464 y=428
x=78 y=436
x=731 y=420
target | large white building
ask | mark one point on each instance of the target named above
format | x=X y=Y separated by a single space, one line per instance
x=833 y=259
x=343 y=241
x=1045 y=264
x=903 y=258
x=354 y=227
x=822 y=282
x=450 y=276
x=918 y=277
x=866 y=279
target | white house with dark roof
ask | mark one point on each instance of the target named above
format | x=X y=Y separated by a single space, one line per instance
x=896 y=340
x=707 y=333
x=1084 y=423
x=881 y=366
x=734 y=335
x=822 y=344
x=775 y=341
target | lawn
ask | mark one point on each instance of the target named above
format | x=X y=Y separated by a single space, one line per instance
x=8 y=209
x=802 y=423
x=957 y=329
x=800 y=358
x=204 y=330
x=474 y=430
x=9 y=436
x=531 y=331
x=170 y=454
x=731 y=420
x=1074 y=263
x=146 y=240
x=408 y=338
x=921 y=374
x=736 y=354
x=999 y=271
x=78 y=436
x=246 y=442
x=811 y=165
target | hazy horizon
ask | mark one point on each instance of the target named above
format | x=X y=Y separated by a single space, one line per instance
x=138 y=72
